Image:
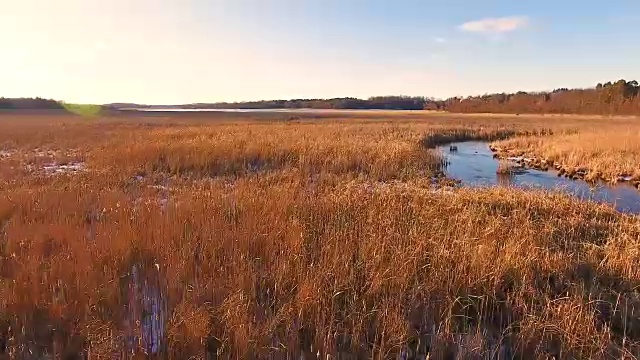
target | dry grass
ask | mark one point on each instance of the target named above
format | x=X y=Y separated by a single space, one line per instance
x=607 y=152
x=506 y=168
x=258 y=237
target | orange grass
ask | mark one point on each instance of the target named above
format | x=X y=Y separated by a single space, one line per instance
x=335 y=244
x=607 y=152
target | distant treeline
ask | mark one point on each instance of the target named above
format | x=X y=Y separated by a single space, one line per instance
x=378 y=102
x=619 y=98
x=29 y=104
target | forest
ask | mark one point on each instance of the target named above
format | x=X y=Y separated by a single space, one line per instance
x=612 y=98
x=377 y=102
x=619 y=98
x=29 y=104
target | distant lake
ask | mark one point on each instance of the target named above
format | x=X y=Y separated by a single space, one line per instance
x=205 y=110
x=288 y=110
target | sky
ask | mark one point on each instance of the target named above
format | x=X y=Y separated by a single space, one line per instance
x=187 y=51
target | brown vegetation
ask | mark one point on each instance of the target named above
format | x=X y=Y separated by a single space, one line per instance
x=507 y=168
x=610 y=152
x=254 y=237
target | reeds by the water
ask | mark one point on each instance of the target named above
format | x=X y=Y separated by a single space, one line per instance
x=609 y=152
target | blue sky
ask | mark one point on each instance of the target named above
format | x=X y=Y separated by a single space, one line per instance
x=181 y=51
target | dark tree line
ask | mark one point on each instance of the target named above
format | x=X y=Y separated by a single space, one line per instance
x=378 y=102
x=29 y=104
x=619 y=98
x=612 y=98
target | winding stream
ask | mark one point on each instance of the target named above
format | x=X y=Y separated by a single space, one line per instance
x=474 y=165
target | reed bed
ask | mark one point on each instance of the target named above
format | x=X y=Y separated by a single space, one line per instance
x=195 y=238
x=610 y=153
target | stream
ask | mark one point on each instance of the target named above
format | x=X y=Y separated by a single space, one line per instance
x=474 y=165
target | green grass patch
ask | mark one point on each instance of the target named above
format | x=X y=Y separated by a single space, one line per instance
x=86 y=110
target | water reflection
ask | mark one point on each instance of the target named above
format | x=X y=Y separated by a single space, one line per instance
x=474 y=165
x=505 y=179
x=146 y=311
x=476 y=344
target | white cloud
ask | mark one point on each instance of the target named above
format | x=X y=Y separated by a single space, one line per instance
x=496 y=25
x=440 y=40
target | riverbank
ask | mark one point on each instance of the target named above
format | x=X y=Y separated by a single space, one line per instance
x=607 y=154
x=477 y=166
x=573 y=173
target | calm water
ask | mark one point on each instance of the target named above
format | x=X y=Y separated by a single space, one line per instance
x=207 y=110
x=146 y=316
x=475 y=166
x=287 y=110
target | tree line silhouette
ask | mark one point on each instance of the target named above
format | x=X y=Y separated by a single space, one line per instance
x=612 y=98
x=29 y=104
x=377 y=102
x=619 y=98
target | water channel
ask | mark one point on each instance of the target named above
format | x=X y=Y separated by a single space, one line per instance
x=474 y=165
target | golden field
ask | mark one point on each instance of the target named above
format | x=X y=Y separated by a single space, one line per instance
x=607 y=152
x=314 y=234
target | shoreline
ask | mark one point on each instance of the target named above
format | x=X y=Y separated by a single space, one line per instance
x=575 y=173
